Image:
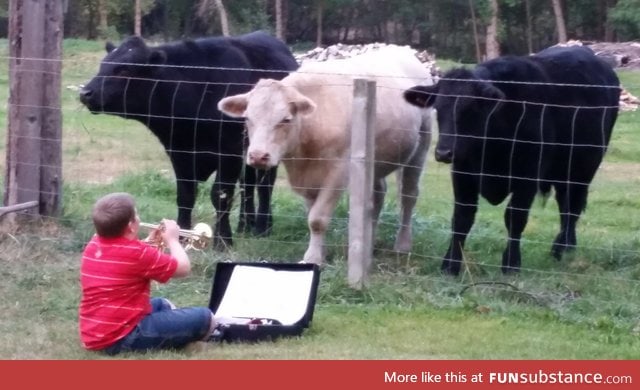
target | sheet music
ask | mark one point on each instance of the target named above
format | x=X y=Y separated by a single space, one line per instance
x=260 y=292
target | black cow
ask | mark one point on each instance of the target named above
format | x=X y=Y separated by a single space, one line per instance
x=519 y=125
x=174 y=89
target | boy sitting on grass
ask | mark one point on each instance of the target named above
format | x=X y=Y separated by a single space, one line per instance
x=116 y=311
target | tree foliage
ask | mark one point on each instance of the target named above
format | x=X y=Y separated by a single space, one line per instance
x=443 y=27
x=626 y=17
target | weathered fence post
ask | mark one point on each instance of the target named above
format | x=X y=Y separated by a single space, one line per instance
x=361 y=182
x=34 y=136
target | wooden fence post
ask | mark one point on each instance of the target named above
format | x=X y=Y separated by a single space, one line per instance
x=34 y=136
x=361 y=183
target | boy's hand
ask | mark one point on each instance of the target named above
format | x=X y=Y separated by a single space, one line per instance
x=171 y=237
x=154 y=237
x=171 y=231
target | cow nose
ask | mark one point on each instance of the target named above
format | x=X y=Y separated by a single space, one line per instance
x=85 y=94
x=259 y=159
x=444 y=155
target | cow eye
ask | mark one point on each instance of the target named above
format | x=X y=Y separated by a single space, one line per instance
x=285 y=121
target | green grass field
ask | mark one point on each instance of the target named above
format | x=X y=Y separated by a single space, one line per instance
x=585 y=307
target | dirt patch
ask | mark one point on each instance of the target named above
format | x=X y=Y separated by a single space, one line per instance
x=620 y=172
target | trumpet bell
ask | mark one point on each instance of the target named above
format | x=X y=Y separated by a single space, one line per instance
x=200 y=236
x=197 y=238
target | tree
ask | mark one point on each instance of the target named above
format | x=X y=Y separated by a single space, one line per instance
x=319 y=10
x=445 y=28
x=137 y=19
x=476 y=38
x=280 y=23
x=625 y=18
x=560 y=24
x=103 y=12
x=609 y=30
x=493 y=46
x=206 y=8
x=224 y=21
x=527 y=8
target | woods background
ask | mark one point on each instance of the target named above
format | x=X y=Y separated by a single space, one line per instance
x=463 y=30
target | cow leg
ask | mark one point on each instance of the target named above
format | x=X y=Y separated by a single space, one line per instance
x=515 y=219
x=465 y=191
x=319 y=218
x=379 y=193
x=409 y=187
x=246 y=219
x=320 y=211
x=265 y=182
x=187 y=190
x=572 y=199
x=222 y=198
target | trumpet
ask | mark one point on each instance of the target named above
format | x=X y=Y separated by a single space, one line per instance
x=197 y=238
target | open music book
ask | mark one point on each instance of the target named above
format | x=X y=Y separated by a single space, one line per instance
x=265 y=293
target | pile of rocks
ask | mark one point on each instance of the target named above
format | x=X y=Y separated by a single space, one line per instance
x=618 y=55
x=628 y=102
x=340 y=51
x=625 y=55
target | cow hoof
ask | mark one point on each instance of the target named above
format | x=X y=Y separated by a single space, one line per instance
x=245 y=225
x=558 y=249
x=450 y=267
x=262 y=231
x=243 y=228
x=450 y=272
x=402 y=247
x=311 y=262
x=506 y=270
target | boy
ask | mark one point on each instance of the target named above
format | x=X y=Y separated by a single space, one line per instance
x=116 y=312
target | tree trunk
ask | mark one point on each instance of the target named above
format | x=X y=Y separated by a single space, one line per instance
x=91 y=23
x=493 y=47
x=560 y=25
x=224 y=20
x=165 y=21
x=351 y=15
x=527 y=10
x=609 y=30
x=137 y=19
x=319 y=12
x=103 y=23
x=206 y=10
x=476 y=38
x=279 y=21
x=34 y=138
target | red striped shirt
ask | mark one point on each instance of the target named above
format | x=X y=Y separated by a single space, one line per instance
x=115 y=276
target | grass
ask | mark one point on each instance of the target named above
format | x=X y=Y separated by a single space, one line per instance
x=584 y=307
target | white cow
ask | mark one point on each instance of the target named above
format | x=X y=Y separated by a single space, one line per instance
x=304 y=122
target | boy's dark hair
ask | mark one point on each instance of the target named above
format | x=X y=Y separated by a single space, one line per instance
x=112 y=213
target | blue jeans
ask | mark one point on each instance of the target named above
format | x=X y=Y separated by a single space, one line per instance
x=165 y=328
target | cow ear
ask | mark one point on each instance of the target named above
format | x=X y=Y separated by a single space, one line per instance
x=158 y=57
x=421 y=95
x=302 y=106
x=234 y=106
x=109 y=47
